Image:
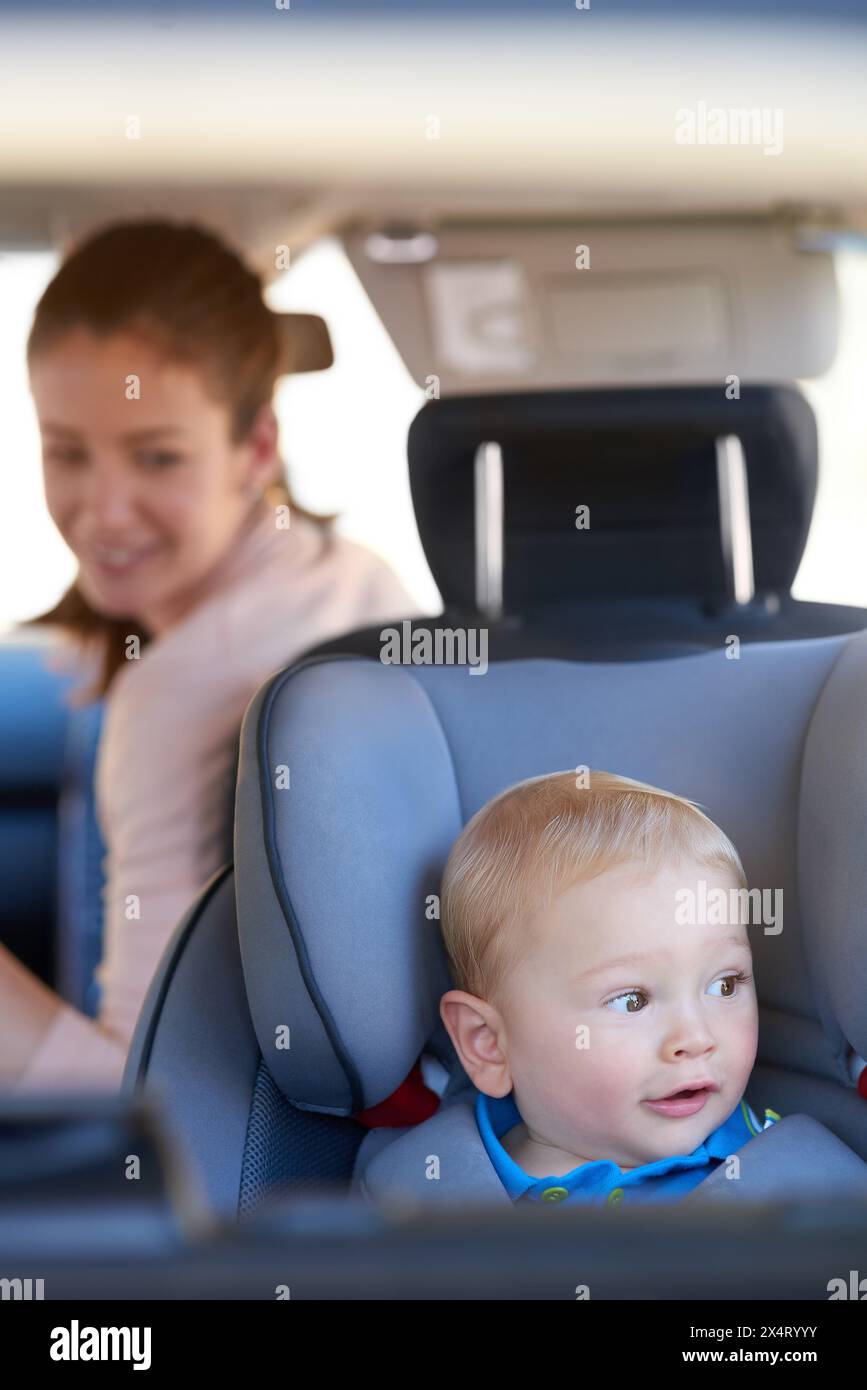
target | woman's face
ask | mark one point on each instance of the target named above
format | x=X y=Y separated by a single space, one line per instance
x=149 y=491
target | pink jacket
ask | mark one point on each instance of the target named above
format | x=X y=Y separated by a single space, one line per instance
x=166 y=760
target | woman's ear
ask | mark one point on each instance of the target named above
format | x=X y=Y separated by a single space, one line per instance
x=476 y=1029
x=262 y=463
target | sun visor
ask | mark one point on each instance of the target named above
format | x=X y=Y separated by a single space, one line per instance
x=487 y=309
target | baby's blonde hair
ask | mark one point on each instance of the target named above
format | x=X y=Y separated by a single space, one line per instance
x=536 y=839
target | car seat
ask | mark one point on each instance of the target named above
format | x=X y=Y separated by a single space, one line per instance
x=81 y=853
x=33 y=731
x=304 y=982
x=51 y=848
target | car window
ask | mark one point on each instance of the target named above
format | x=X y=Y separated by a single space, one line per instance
x=833 y=569
x=344 y=431
x=35 y=564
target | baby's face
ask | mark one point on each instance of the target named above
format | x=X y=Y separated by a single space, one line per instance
x=591 y=1039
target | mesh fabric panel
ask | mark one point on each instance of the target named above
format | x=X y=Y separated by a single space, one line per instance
x=288 y=1150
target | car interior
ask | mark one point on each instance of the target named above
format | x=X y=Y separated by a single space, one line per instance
x=615 y=466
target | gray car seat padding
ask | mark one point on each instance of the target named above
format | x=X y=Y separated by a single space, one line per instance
x=795 y=1157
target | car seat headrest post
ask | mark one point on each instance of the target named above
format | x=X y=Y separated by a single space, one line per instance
x=489 y=525
x=734 y=509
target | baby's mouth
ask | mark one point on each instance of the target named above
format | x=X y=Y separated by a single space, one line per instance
x=682 y=1103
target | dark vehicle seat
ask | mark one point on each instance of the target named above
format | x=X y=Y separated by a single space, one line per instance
x=33 y=732
x=51 y=848
x=81 y=851
x=650 y=569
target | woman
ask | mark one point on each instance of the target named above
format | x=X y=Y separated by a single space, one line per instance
x=153 y=360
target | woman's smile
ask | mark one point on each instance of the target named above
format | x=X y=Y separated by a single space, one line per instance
x=119 y=561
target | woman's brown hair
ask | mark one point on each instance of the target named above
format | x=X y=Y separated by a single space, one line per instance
x=188 y=294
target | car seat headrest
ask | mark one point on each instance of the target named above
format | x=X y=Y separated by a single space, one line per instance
x=642 y=461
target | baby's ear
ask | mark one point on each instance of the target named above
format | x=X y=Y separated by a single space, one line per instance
x=474 y=1028
x=453 y=1006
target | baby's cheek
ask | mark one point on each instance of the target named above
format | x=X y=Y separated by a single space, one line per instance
x=745 y=1044
x=542 y=1051
x=609 y=1069
x=562 y=1055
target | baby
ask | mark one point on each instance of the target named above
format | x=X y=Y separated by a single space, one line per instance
x=609 y=1035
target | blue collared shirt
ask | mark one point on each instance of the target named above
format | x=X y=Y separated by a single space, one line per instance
x=603 y=1181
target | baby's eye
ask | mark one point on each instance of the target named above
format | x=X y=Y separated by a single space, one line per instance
x=731 y=983
x=629 y=995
